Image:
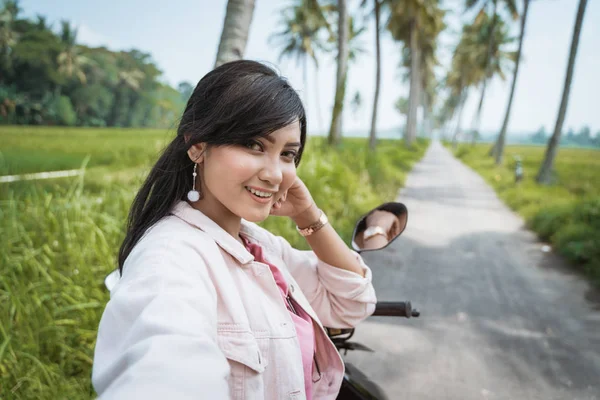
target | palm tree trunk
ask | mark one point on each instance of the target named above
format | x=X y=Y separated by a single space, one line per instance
x=317 y=101
x=305 y=80
x=236 y=26
x=413 y=96
x=499 y=148
x=373 y=133
x=426 y=115
x=335 y=131
x=477 y=120
x=459 y=122
x=492 y=150
x=545 y=174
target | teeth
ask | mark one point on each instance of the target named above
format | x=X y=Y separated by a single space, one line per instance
x=259 y=194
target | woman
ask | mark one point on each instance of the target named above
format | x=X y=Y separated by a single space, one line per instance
x=209 y=305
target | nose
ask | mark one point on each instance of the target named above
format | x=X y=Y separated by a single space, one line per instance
x=271 y=172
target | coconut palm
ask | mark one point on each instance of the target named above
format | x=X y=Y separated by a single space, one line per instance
x=427 y=63
x=353 y=49
x=488 y=63
x=416 y=23
x=356 y=103
x=300 y=37
x=457 y=83
x=499 y=147
x=355 y=45
x=486 y=8
x=8 y=36
x=545 y=172
x=131 y=78
x=335 y=130
x=70 y=60
x=463 y=74
x=42 y=23
x=373 y=132
x=378 y=6
x=236 y=26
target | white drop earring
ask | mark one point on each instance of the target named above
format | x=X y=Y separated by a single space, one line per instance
x=193 y=195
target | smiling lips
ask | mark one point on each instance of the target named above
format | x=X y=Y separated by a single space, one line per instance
x=260 y=196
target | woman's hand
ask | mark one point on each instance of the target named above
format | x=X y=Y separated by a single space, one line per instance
x=296 y=203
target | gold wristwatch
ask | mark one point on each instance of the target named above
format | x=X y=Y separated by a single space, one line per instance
x=322 y=221
x=373 y=231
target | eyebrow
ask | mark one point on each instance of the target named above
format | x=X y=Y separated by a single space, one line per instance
x=271 y=140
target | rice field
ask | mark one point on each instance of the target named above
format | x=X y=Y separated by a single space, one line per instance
x=60 y=236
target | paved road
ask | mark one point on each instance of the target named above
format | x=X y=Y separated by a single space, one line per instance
x=500 y=318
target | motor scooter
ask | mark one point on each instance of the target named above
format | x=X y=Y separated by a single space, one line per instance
x=356 y=385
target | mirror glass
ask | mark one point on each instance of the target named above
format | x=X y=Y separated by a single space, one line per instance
x=379 y=227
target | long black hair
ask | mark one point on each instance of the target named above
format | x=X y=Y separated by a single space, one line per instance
x=232 y=104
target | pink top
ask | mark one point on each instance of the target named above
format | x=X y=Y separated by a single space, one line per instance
x=302 y=321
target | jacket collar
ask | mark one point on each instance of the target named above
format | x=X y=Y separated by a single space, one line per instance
x=184 y=211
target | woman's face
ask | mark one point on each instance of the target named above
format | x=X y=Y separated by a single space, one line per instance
x=245 y=181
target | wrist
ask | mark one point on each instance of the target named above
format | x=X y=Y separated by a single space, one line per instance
x=307 y=217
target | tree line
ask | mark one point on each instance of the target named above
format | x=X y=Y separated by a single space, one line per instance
x=48 y=78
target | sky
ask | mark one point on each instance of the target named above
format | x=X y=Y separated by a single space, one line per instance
x=183 y=35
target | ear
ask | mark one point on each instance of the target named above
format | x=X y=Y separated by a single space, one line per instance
x=196 y=152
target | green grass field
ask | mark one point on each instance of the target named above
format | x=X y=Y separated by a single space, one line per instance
x=60 y=236
x=567 y=213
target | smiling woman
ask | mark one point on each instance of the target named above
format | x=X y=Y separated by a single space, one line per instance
x=208 y=303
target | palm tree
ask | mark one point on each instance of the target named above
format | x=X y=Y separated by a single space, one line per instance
x=428 y=61
x=356 y=103
x=463 y=74
x=499 y=147
x=236 y=26
x=488 y=63
x=8 y=36
x=460 y=103
x=378 y=4
x=131 y=79
x=335 y=131
x=489 y=30
x=70 y=60
x=42 y=23
x=300 y=37
x=355 y=46
x=414 y=22
x=545 y=173
x=454 y=106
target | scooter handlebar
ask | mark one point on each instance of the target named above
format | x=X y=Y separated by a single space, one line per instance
x=395 y=309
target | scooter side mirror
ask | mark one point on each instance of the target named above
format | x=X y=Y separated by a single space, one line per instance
x=380 y=227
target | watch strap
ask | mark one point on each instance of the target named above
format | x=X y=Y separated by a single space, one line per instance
x=321 y=222
x=373 y=231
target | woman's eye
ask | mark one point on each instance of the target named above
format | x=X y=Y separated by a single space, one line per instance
x=254 y=146
x=290 y=154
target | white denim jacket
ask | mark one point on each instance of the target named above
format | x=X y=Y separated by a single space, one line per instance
x=195 y=317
